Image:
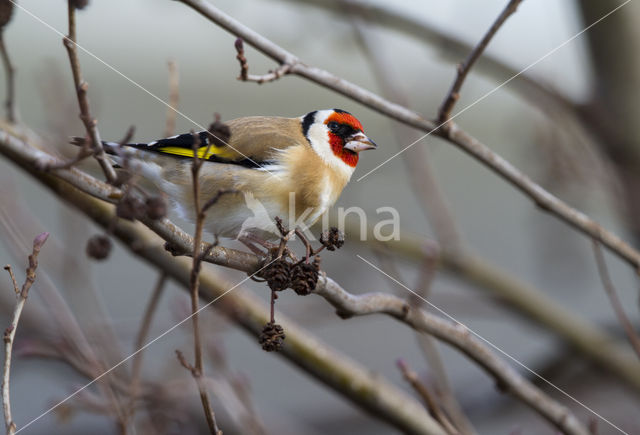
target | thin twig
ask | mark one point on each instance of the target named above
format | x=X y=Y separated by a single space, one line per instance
x=463 y=69
x=174 y=99
x=427 y=343
x=431 y=403
x=84 y=152
x=10 y=332
x=9 y=69
x=202 y=388
x=13 y=279
x=244 y=76
x=81 y=89
x=429 y=346
x=214 y=199
x=141 y=338
x=423 y=182
x=194 y=284
x=603 y=271
x=449 y=45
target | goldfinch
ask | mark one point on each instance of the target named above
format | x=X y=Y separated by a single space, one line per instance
x=293 y=168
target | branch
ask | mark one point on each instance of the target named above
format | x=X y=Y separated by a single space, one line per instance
x=202 y=388
x=423 y=183
x=10 y=332
x=613 y=298
x=81 y=90
x=430 y=402
x=174 y=99
x=458 y=336
x=463 y=69
x=545 y=200
x=141 y=339
x=587 y=338
x=272 y=75
x=10 y=103
x=197 y=371
x=451 y=46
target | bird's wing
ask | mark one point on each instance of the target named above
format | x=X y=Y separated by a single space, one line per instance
x=251 y=144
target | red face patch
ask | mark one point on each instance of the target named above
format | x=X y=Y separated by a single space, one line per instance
x=337 y=142
x=337 y=146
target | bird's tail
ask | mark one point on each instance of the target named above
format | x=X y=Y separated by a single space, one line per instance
x=133 y=153
x=112 y=148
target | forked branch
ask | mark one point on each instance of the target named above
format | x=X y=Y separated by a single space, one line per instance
x=10 y=332
x=463 y=69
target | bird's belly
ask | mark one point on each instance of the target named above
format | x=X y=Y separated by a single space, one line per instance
x=246 y=215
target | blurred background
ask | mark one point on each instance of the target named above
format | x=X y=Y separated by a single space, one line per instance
x=575 y=135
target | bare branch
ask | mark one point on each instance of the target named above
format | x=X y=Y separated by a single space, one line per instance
x=174 y=99
x=613 y=298
x=457 y=335
x=141 y=338
x=590 y=340
x=9 y=69
x=202 y=387
x=194 y=285
x=421 y=176
x=431 y=403
x=10 y=332
x=272 y=75
x=81 y=89
x=463 y=69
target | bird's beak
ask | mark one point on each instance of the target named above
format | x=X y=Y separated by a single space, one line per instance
x=359 y=142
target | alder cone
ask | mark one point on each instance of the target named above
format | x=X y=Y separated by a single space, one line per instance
x=272 y=337
x=304 y=278
x=98 y=247
x=278 y=275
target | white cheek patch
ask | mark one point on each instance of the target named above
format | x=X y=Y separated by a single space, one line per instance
x=318 y=136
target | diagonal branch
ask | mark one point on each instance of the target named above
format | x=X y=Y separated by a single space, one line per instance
x=463 y=69
x=603 y=271
x=590 y=340
x=348 y=305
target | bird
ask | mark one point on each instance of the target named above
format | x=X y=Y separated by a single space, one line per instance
x=291 y=168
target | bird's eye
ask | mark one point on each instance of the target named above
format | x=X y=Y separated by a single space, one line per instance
x=333 y=126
